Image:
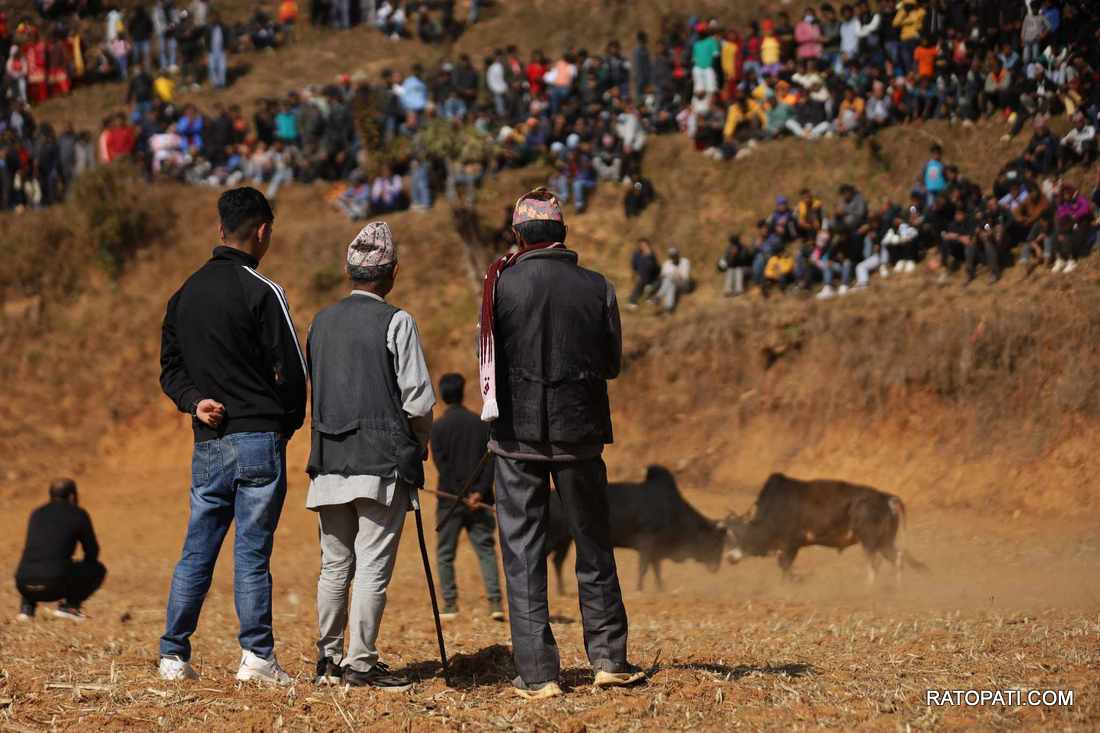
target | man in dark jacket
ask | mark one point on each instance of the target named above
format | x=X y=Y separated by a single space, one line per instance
x=459 y=441
x=46 y=570
x=550 y=340
x=230 y=358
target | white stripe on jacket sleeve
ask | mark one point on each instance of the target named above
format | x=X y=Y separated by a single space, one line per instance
x=281 y=297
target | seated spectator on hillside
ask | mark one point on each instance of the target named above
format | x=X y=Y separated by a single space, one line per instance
x=387 y=193
x=675 y=280
x=47 y=571
x=119 y=139
x=779 y=270
x=646 y=272
x=955 y=242
x=900 y=242
x=1072 y=222
x=810 y=121
x=809 y=214
x=827 y=257
x=990 y=233
x=745 y=123
x=735 y=263
x=1078 y=147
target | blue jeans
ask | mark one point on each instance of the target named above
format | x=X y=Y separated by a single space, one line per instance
x=142 y=53
x=421 y=190
x=167 y=48
x=217 y=68
x=241 y=478
x=581 y=187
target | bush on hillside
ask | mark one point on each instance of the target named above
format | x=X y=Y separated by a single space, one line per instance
x=118 y=215
x=108 y=217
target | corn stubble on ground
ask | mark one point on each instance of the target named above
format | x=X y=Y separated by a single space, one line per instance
x=978 y=407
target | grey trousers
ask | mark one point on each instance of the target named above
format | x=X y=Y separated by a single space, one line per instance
x=479 y=525
x=359 y=543
x=523 y=494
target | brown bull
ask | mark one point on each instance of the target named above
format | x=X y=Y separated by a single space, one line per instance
x=791 y=514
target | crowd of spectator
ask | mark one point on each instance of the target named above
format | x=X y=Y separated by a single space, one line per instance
x=853 y=68
x=402 y=139
x=1031 y=217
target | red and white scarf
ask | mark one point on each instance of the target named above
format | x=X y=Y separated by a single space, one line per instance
x=487 y=366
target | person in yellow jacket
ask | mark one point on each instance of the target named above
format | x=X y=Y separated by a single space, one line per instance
x=780 y=269
x=731 y=62
x=744 y=111
x=909 y=20
x=164 y=87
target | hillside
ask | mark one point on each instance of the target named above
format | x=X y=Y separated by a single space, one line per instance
x=904 y=344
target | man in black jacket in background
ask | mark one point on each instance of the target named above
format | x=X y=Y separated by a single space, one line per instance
x=459 y=441
x=230 y=358
x=46 y=570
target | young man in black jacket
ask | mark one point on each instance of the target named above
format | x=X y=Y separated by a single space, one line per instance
x=550 y=340
x=46 y=570
x=230 y=358
x=459 y=441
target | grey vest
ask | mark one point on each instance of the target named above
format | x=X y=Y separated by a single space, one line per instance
x=359 y=427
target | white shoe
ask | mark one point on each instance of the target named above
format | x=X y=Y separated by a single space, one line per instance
x=267 y=671
x=826 y=293
x=899 y=266
x=1059 y=265
x=842 y=290
x=1071 y=265
x=910 y=266
x=884 y=271
x=173 y=668
x=70 y=613
x=24 y=618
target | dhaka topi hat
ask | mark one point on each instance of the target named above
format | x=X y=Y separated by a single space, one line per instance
x=373 y=246
x=538 y=205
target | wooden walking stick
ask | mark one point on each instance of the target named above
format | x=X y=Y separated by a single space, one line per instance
x=465 y=490
x=431 y=592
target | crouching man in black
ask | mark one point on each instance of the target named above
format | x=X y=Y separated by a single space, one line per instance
x=47 y=571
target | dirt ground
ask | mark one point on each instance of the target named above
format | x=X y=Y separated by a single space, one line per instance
x=1011 y=604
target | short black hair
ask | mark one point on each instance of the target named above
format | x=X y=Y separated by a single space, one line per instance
x=541 y=231
x=61 y=489
x=242 y=211
x=372 y=273
x=452 y=387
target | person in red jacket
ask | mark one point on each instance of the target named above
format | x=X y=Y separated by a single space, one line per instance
x=120 y=139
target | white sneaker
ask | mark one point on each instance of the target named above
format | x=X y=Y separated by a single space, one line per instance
x=173 y=668
x=826 y=293
x=24 y=618
x=1071 y=265
x=910 y=266
x=884 y=272
x=899 y=266
x=843 y=290
x=267 y=671
x=1059 y=265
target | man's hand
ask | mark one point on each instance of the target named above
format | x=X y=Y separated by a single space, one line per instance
x=472 y=500
x=210 y=413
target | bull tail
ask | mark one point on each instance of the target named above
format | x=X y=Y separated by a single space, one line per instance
x=897 y=508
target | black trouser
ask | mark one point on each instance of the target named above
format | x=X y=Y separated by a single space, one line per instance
x=77 y=586
x=479 y=525
x=992 y=257
x=523 y=494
